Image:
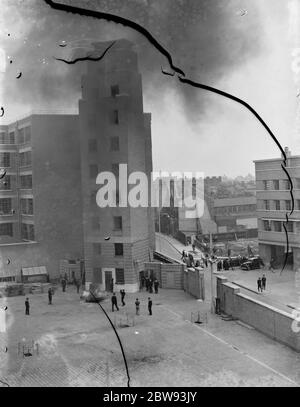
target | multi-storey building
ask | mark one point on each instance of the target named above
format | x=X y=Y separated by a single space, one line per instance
x=232 y=213
x=114 y=130
x=273 y=203
x=40 y=198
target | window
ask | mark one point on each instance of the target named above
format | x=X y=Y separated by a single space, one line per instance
x=27 y=134
x=21 y=136
x=277 y=205
x=115 y=117
x=6 y=229
x=276 y=184
x=27 y=231
x=12 y=137
x=4 y=159
x=277 y=226
x=118 y=249
x=2 y=138
x=93 y=170
x=288 y=205
x=115 y=169
x=25 y=158
x=298 y=204
x=267 y=225
x=267 y=205
x=5 y=206
x=117 y=222
x=6 y=183
x=97 y=248
x=114 y=90
x=26 y=181
x=286 y=184
x=289 y=227
x=297 y=183
x=92 y=145
x=114 y=144
x=27 y=206
x=120 y=277
x=265 y=185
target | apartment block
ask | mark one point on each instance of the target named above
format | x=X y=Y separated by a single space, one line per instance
x=273 y=203
x=40 y=195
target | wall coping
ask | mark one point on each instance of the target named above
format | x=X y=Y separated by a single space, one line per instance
x=232 y=285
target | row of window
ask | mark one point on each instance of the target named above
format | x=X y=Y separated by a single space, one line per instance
x=27 y=230
x=235 y=209
x=277 y=226
x=120 y=275
x=277 y=205
x=118 y=248
x=25 y=182
x=7 y=138
x=24 y=136
x=285 y=184
x=25 y=159
x=117 y=220
x=114 y=144
x=6 y=206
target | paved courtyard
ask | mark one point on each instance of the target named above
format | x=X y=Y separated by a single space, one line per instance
x=77 y=346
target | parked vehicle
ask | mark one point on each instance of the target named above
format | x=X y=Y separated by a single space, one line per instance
x=252 y=263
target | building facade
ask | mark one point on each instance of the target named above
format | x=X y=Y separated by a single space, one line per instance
x=40 y=199
x=273 y=203
x=235 y=213
x=114 y=130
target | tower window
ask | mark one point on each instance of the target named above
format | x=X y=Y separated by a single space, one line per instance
x=114 y=89
x=115 y=116
x=118 y=223
x=118 y=249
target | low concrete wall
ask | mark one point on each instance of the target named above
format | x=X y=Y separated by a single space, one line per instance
x=193 y=283
x=275 y=323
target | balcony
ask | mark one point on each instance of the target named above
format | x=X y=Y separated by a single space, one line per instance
x=279 y=237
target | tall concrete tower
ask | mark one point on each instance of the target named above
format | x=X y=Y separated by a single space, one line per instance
x=114 y=130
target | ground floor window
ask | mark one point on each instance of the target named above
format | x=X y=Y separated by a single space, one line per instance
x=120 y=276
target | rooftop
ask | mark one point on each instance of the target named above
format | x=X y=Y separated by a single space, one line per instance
x=241 y=200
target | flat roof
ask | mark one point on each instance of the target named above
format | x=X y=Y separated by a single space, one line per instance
x=276 y=159
x=242 y=200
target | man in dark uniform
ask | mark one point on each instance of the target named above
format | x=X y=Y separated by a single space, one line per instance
x=50 y=296
x=63 y=284
x=150 y=306
x=137 y=306
x=122 y=292
x=114 y=302
x=150 y=285
x=156 y=284
x=259 y=288
x=27 y=306
x=147 y=283
x=263 y=282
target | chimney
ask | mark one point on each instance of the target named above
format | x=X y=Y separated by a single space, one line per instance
x=287 y=152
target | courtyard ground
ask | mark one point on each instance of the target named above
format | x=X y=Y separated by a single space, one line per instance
x=77 y=346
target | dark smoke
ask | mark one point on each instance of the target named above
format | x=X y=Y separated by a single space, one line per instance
x=206 y=38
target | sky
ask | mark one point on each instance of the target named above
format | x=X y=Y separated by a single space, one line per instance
x=250 y=49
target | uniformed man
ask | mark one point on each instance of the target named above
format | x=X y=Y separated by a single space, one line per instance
x=114 y=302
x=150 y=306
x=27 y=306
